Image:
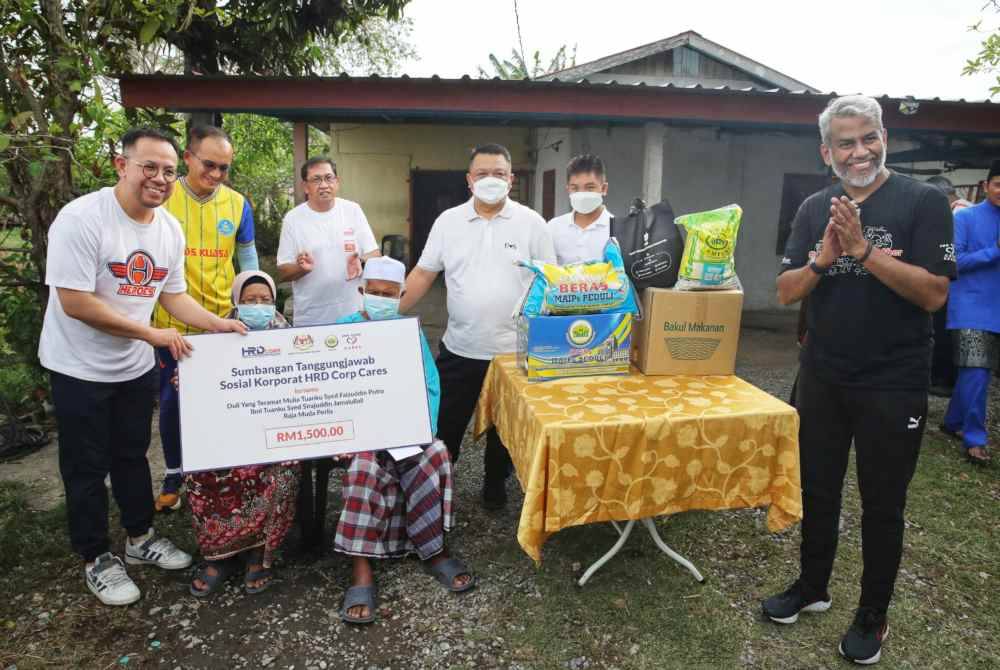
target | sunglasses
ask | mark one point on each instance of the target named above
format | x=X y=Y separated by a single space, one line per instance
x=212 y=166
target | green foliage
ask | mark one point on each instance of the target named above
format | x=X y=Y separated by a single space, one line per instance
x=272 y=37
x=262 y=170
x=59 y=122
x=517 y=68
x=27 y=537
x=988 y=58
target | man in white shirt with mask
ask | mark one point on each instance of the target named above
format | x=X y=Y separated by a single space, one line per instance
x=476 y=245
x=580 y=234
x=322 y=244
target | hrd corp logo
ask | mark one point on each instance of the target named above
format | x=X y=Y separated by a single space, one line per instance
x=139 y=272
x=302 y=342
x=260 y=350
x=580 y=333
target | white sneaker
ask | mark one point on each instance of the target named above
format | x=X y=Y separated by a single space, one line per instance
x=108 y=580
x=158 y=551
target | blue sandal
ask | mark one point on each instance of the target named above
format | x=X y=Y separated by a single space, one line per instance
x=359 y=595
x=445 y=572
x=223 y=571
x=256 y=557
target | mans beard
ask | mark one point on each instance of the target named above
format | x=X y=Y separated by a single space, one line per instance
x=863 y=181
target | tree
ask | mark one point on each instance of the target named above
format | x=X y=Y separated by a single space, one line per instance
x=988 y=58
x=54 y=54
x=267 y=37
x=517 y=68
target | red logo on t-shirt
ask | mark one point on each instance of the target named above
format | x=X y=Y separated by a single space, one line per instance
x=138 y=271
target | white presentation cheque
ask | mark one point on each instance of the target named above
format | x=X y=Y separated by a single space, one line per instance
x=300 y=393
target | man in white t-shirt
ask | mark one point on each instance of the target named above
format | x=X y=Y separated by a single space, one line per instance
x=476 y=245
x=323 y=242
x=581 y=234
x=111 y=255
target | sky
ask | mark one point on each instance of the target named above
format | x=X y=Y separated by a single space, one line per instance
x=894 y=47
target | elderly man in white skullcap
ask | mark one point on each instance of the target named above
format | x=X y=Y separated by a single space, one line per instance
x=393 y=508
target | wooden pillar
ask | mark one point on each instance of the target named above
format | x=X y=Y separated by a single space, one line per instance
x=652 y=162
x=300 y=152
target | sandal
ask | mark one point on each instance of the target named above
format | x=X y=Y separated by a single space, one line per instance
x=359 y=595
x=223 y=571
x=256 y=557
x=977 y=460
x=445 y=572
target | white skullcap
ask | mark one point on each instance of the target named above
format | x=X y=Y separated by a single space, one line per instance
x=384 y=268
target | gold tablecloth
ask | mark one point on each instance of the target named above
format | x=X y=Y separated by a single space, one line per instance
x=607 y=448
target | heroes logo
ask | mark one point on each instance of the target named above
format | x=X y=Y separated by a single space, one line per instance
x=139 y=272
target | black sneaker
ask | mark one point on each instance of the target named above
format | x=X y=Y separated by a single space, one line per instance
x=785 y=607
x=863 y=641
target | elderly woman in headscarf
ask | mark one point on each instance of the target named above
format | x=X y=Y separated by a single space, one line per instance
x=392 y=507
x=241 y=515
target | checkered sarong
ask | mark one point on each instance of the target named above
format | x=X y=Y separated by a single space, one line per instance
x=393 y=508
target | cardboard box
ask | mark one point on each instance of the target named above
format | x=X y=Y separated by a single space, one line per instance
x=550 y=347
x=688 y=332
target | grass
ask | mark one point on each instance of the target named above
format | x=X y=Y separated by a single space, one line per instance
x=644 y=611
x=641 y=611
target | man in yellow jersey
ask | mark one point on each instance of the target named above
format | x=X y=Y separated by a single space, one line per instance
x=218 y=225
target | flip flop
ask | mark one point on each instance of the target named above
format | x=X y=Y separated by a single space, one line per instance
x=976 y=460
x=445 y=572
x=359 y=595
x=223 y=571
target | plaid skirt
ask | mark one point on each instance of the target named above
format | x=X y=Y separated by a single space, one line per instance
x=395 y=508
x=976 y=348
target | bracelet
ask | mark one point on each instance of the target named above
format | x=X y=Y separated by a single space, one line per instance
x=868 y=252
x=819 y=269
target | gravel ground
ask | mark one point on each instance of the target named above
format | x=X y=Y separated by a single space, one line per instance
x=295 y=624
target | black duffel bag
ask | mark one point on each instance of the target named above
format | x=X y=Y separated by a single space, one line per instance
x=651 y=244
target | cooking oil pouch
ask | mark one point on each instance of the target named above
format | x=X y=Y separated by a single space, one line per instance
x=709 y=250
x=591 y=287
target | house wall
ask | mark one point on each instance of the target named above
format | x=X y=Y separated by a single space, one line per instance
x=553 y=148
x=705 y=168
x=374 y=162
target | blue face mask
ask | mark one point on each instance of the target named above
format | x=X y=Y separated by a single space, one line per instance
x=379 y=308
x=257 y=317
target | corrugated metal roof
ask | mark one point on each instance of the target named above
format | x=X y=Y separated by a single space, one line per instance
x=556 y=82
x=750 y=90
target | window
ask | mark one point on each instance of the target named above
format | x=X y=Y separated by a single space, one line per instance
x=796 y=188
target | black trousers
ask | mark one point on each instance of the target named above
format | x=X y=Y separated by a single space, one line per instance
x=104 y=428
x=886 y=428
x=461 y=381
x=943 y=371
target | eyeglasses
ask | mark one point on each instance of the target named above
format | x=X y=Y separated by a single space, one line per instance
x=150 y=170
x=322 y=179
x=212 y=166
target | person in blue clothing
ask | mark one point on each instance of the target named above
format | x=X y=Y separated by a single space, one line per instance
x=974 y=313
x=392 y=507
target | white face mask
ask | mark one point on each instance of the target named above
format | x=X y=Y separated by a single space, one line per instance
x=585 y=202
x=490 y=190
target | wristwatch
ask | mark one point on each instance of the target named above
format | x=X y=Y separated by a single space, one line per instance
x=819 y=269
